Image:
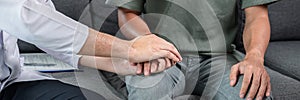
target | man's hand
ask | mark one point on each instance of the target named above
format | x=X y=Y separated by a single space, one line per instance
x=255 y=77
x=123 y=67
x=256 y=38
x=150 y=47
x=154 y=66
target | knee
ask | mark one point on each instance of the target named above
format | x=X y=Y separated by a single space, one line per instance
x=158 y=86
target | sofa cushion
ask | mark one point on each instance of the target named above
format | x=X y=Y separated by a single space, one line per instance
x=284 y=57
x=283 y=87
x=284 y=20
x=71 y=8
x=26 y=47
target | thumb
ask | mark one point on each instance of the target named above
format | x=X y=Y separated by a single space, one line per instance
x=234 y=74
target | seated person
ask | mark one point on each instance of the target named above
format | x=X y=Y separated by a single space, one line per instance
x=37 y=22
x=203 y=31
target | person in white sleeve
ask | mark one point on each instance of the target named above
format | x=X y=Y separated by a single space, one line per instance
x=37 y=22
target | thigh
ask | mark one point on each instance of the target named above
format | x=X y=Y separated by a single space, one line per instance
x=45 y=90
x=213 y=82
x=165 y=85
x=214 y=72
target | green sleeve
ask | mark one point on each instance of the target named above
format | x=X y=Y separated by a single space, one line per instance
x=249 y=3
x=136 y=5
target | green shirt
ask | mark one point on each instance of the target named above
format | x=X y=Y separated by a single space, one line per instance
x=194 y=26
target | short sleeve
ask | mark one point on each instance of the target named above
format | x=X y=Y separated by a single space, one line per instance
x=136 y=5
x=249 y=3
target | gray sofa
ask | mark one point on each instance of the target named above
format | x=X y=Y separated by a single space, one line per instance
x=283 y=53
x=282 y=57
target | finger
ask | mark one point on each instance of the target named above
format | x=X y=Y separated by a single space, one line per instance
x=169 y=55
x=246 y=82
x=154 y=66
x=268 y=93
x=133 y=64
x=262 y=88
x=147 y=68
x=173 y=63
x=168 y=63
x=234 y=74
x=161 y=65
x=170 y=47
x=139 y=68
x=255 y=84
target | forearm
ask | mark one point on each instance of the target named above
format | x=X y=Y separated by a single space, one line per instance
x=96 y=62
x=131 y=24
x=136 y=50
x=104 y=45
x=257 y=31
x=115 y=65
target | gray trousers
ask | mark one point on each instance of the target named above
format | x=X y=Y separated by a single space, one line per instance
x=196 y=77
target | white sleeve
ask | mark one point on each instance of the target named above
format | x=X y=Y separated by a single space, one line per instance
x=37 y=22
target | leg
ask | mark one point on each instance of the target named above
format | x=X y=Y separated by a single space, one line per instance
x=45 y=90
x=214 y=80
x=165 y=85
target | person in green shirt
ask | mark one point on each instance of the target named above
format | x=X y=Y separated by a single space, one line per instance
x=203 y=31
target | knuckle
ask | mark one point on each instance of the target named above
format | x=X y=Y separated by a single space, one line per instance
x=172 y=47
x=266 y=77
x=251 y=94
x=250 y=67
x=233 y=67
x=169 y=54
x=256 y=83
x=260 y=71
x=153 y=66
x=246 y=81
x=231 y=76
x=264 y=83
x=260 y=95
x=243 y=91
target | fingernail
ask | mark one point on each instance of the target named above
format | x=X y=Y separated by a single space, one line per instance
x=146 y=73
x=268 y=94
x=249 y=98
x=241 y=95
x=232 y=82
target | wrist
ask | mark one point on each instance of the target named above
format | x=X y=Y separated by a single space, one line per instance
x=121 y=49
x=255 y=55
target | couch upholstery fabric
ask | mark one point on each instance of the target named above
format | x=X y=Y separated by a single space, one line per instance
x=284 y=20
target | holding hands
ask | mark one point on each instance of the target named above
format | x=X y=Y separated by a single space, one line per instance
x=152 y=54
x=145 y=55
x=154 y=66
